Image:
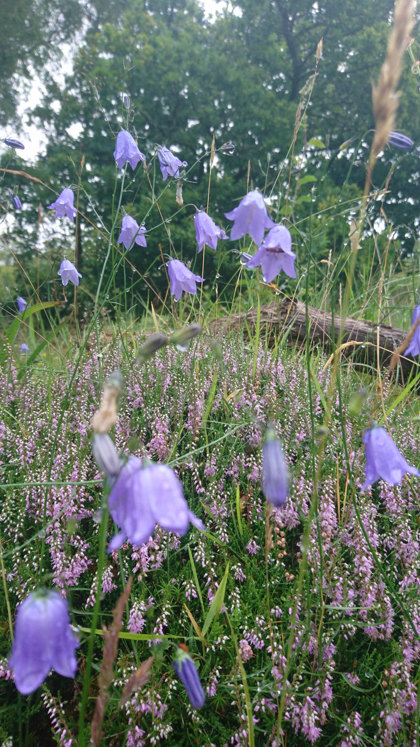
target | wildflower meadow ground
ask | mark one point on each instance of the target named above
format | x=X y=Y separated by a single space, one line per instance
x=210 y=538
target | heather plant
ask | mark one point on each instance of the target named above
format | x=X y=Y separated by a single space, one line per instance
x=209 y=539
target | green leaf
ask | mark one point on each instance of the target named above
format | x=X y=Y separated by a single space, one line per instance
x=216 y=604
x=307 y=179
x=316 y=142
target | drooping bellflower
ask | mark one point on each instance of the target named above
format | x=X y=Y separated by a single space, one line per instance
x=182 y=279
x=43 y=641
x=187 y=672
x=250 y=217
x=64 y=204
x=106 y=455
x=24 y=348
x=398 y=140
x=16 y=201
x=275 y=475
x=68 y=272
x=22 y=304
x=131 y=233
x=275 y=254
x=126 y=150
x=143 y=496
x=13 y=143
x=170 y=164
x=383 y=460
x=414 y=346
x=206 y=231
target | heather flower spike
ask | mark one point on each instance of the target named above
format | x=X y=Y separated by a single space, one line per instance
x=64 y=204
x=206 y=231
x=169 y=164
x=126 y=150
x=143 y=496
x=182 y=279
x=414 y=346
x=383 y=460
x=275 y=254
x=275 y=475
x=43 y=641
x=13 y=143
x=398 y=140
x=22 y=304
x=250 y=217
x=187 y=672
x=131 y=233
x=68 y=272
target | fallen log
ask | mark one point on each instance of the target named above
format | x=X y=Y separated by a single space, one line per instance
x=365 y=342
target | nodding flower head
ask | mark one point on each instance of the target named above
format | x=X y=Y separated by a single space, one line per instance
x=187 y=672
x=383 y=460
x=250 y=217
x=126 y=150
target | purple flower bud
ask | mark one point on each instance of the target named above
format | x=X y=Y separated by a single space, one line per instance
x=169 y=164
x=43 y=641
x=106 y=455
x=414 y=346
x=131 y=233
x=250 y=217
x=64 y=204
x=206 y=231
x=126 y=150
x=13 y=143
x=383 y=460
x=275 y=254
x=187 y=672
x=228 y=148
x=400 y=141
x=24 y=348
x=21 y=304
x=68 y=272
x=183 y=336
x=182 y=279
x=144 y=496
x=151 y=345
x=275 y=475
x=126 y=100
x=16 y=201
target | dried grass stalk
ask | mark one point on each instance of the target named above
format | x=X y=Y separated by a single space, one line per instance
x=384 y=94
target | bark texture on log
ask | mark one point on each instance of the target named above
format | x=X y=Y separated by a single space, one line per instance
x=371 y=342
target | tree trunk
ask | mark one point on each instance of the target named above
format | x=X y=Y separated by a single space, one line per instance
x=366 y=343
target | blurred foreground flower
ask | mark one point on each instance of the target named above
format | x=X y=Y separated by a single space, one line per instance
x=21 y=304
x=24 y=348
x=187 y=672
x=43 y=641
x=16 y=201
x=275 y=254
x=250 y=217
x=106 y=455
x=383 y=460
x=13 y=143
x=414 y=346
x=126 y=150
x=275 y=475
x=169 y=164
x=143 y=496
x=400 y=141
x=68 y=272
x=64 y=204
x=206 y=231
x=131 y=232
x=182 y=279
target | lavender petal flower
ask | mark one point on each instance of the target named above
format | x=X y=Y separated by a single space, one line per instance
x=275 y=480
x=24 y=349
x=16 y=201
x=187 y=672
x=131 y=233
x=68 y=272
x=126 y=150
x=250 y=217
x=383 y=460
x=206 y=231
x=398 y=140
x=182 y=279
x=43 y=641
x=169 y=164
x=106 y=455
x=414 y=346
x=21 y=304
x=64 y=204
x=275 y=254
